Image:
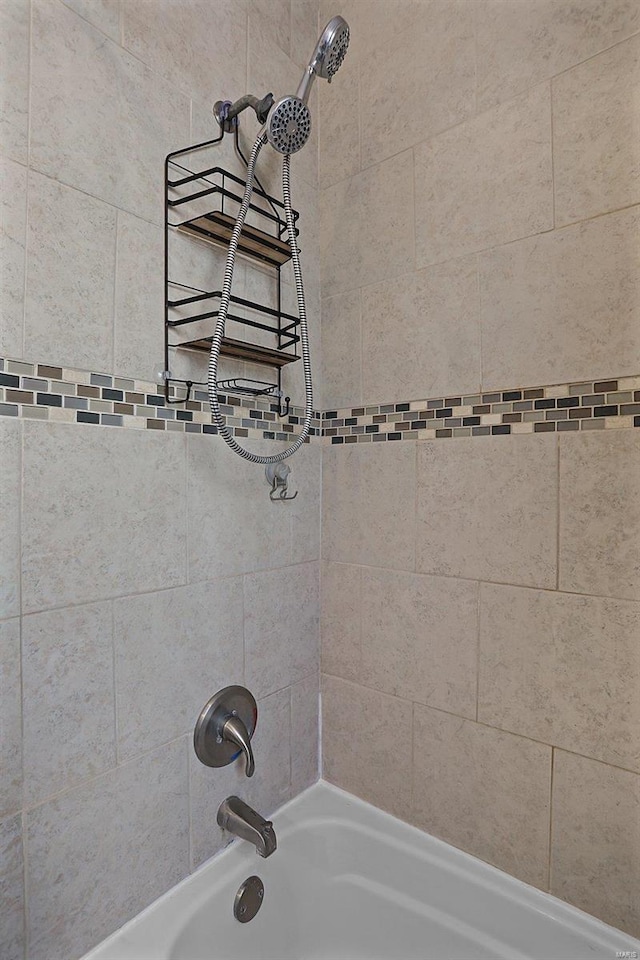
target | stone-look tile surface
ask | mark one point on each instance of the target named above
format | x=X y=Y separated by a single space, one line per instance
x=595 y=862
x=281 y=628
x=10 y=718
x=520 y=44
x=139 y=298
x=562 y=669
x=368 y=505
x=273 y=17
x=563 y=306
x=362 y=752
x=13 y=198
x=103 y=14
x=373 y=24
x=341 y=350
x=265 y=791
x=340 y=620
x=486 y=509
x=484 y=791
x=596 y=134
x=231 y=519
x=339 y=120
x=304 y=30
x=12 y=941
x=141 y=116
x=487 y=181
x=68 y=698
x=306 y=479
x=420 y=638
x=421 y=335
x=14 y=84
x=174 y=39
x=70 y=276
x=366 y=226
x=10 y=480
x=600 y=514
x=174 y=648
x=304 y=733
x=95 y=502
x=101 y=852
x=420 y=83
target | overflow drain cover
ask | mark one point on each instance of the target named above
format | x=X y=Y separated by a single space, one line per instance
x=248 y=899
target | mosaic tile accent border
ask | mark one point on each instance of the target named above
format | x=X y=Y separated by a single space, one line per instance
x=592 y=405
x=44 y=392
x=63 y=395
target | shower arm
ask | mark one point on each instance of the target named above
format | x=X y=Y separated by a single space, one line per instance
x=226 y=112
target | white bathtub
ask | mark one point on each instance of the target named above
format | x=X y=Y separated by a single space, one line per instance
x=349 y=882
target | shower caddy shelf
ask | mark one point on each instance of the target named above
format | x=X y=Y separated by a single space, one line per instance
x=265 y=244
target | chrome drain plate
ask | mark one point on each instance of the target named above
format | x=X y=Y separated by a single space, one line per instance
x=248 y=899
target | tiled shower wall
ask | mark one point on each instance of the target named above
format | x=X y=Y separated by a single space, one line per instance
x=142 y=569
x=480 y=615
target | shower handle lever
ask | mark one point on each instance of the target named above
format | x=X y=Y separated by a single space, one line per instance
x=234 y=731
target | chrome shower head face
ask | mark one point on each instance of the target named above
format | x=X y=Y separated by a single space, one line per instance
x=288 y=125
x=331 y=48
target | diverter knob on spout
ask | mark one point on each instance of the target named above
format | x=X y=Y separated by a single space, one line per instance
x=226 y=722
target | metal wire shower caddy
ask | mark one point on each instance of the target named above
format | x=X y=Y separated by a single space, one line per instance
x=201 y=203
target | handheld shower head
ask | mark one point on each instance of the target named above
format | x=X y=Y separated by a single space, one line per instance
x=288 y=125
x=327 y=57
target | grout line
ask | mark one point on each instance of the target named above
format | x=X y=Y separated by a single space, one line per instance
x=553 y=169
x=550 y=848
x=116 y=739
x=557 y=512
x=478 y=647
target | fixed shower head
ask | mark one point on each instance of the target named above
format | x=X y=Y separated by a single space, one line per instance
x=288 y=125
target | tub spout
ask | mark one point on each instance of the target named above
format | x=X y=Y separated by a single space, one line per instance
x=238 y=818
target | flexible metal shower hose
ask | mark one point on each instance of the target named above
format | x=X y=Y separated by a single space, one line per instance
x=216 y=343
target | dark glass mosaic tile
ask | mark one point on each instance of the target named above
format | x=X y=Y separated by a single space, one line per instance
x=193 y=427
x=603 y=386
x=568 y=402
x=348 y=421
x=49 y=399
x=8 y=410
x=608 y=411
x=512 y=395
x=330 y=415
x=132 y=397
x=569 y=425
x=209 y=428
x=387 y=408
x=445 y=412
x=400 y=407
x=109 y=394
x=155 y=400
x=100 y=380
x=9 y=380
x=379 y=437
x=83 y=417
x=628 y=409
x=545 y=404
x=482 y=408
x=127 y=409
x=453 y=402
x=491 y=397
x=76 y=403
x=380 y=418
x=444 y=434
x=579 y=413
x=470 y=421
x=500 y=429
x=110 y=420
x=418 y=424
x=350 y=439
x=184 y=415
x=434 y=404
x=53 y=373
x=511 y=417
x=239 y=432
x=636 y=421
x=19 y=396
x=394 y=436
x=357 y=412
x=533 y=394
x=544 y=427
x=155 y=424
x=372 y=428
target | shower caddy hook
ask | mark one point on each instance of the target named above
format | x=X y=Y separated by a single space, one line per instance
x=277 y=475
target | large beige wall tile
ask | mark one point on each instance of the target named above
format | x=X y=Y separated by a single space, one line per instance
x=10 y=718
x=12 y=942
x=306 y=479
x=13 y=198
x=341 y=351
x=304 y=30
x=281 y=627
x=70 y=277
x=91 y=526
x=68 y=698
x=232 y=527
x=10 y=481
x=305 y=733
x=88 y=871
x=420 y=83
x=420 y=638
x=488 y=181
x=367 y=226
x=103 y=14
x=421 y=335
x=600 y=514
x=374 y=23
x=563 y=306
x=175 y=647
x=87 y=91
x=139 y=299
x=520 y=43
x=595 y=848
x=562 y=669
x=273 y=18
x=596 y=134
x=199 y=47
x=368 y=504
x=340 y=620
x=14 y=81
x=362 y=749
x=487 y=509
x=484 y=791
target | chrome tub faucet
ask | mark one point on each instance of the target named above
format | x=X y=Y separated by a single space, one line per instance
x=239 y=818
